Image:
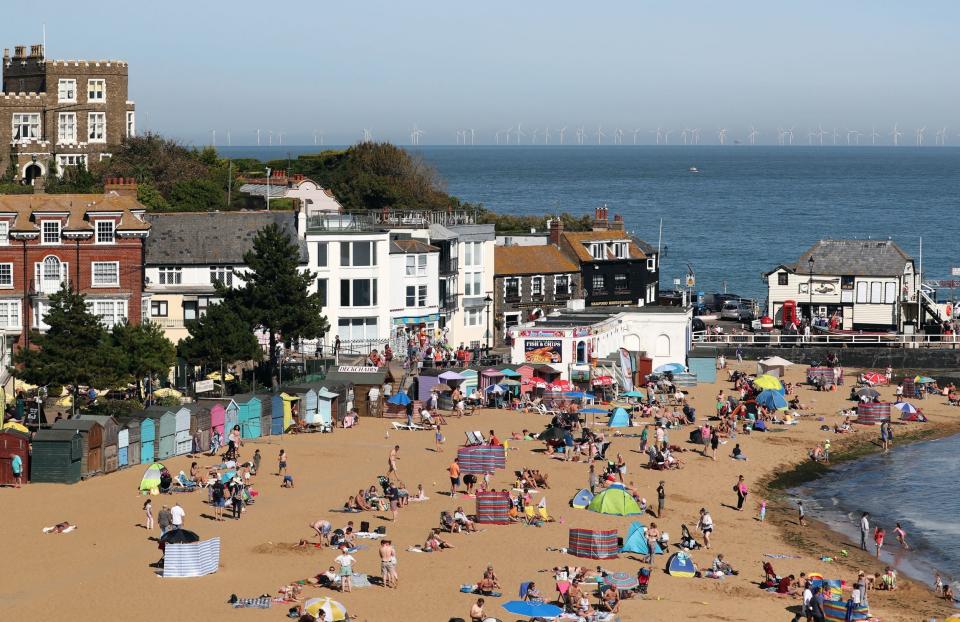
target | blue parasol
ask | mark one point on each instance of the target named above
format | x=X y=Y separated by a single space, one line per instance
x=578 y=395
x=400 y=399
x=633 y=394
x=532 y=610
x=674 y=368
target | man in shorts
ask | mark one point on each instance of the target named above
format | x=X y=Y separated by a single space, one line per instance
x=454 y=470
x=392 y=462
x=388 y=564
x=661 y=499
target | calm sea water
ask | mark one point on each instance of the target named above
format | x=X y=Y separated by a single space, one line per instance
x=747 y=210
x=915 y=485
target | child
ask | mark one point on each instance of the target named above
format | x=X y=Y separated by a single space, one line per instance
x=878 y=535
x=256 y=461
x=148 y=508
x=801 y=514
x=763 y=510
x=282 y=468
x=437 y=438
x=592 y=478
x=901 y=536
x=287 y=481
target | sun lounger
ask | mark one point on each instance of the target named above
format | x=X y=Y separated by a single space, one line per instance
x=403 y=426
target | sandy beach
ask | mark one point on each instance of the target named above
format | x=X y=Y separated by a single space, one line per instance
x=102 y=570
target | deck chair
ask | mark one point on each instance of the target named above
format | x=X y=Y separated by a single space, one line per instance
x=530 y=514
x=523 y=589
x=472 y=439
x=771 y=578
x=184 y=482
x=447 y=523
x=544 y=516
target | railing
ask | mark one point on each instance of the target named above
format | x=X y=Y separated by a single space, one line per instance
x=764 y=339
x=448 y=266
x=368 y=220
x=163 y=322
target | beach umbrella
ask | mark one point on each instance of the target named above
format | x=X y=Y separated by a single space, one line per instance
x=551 y=435
x=13 y=425
x=633 y=394
x=179 y=536
x=494 y=388
x=621 y=580
x=578 y=395
x=772 y=400
x=868 y=392
x=226 y=476
x=167 y=392
x=766 y=381
x=595 y=410
x=447 y=376
x=215 y=375
x=673 y=368
x=333 y=610
x=906 y=408
x=923 y=380
x=509 y=373
x=510 y=382
x=400 y=398
x=531 y=609
x=151 y=477
x=874 y=377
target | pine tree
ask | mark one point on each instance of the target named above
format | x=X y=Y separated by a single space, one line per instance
x=147 y=350
x=219 y=335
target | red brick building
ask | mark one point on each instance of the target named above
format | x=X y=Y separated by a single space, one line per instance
x=92 y=242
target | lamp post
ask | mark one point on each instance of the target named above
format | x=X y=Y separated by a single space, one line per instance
x=810 y=289
x=268 y=188
x=487 y=300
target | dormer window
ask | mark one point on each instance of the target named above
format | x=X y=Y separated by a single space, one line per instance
x=51 y=231
x=596 y=250
x=620 y=249
x=105 y=231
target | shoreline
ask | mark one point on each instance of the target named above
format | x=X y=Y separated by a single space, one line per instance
x=820 y=538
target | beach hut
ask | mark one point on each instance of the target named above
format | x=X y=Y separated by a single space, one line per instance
x=249 y=410
x=111 y=440
x=367 y=395
x=57 y=456
x=427 y=381
x=490 y=377
x=128 y=442
x=593 y=544
x=165 y=429
x=91 y=443
x=182 y=441
x=231 y=417
x=873 y=413
x=199 y=425
x=327 y=408
x=493 y=508
x=282 y=409
x=13 y=443
x=469 y=384
x=703 y=367
x=148 y=439
x=338 y=404
x=308 y=401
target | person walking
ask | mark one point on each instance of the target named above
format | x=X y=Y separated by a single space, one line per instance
x=16 y=466
x=282 y=463
x=864 y=529
x=705 y=525
x=741 y=489
x=218 y=496
x=801 y=514
x=148 y=510
x=714 y=442
x=164 y=520
x=592 y=479
x=392 y=462
x=653 y=534
x=816 y=606
x=256 y=461
x=177 y=514
x=236 y=498
x=661 y=499
x=901 y=537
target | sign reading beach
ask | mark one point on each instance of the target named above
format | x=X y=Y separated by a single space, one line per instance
x=543 y=350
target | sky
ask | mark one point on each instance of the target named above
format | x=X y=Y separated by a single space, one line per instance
x=337 y=68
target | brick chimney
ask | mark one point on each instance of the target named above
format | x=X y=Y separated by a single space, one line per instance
x=19 y=52
x=617 y=224
x=555 y=228
x=600 y=222
x=122 y=186
x=36 y=52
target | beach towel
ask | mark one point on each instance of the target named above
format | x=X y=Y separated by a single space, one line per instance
x=263 y=602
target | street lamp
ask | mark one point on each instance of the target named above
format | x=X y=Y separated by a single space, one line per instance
x=487 y=300
x=810 y=288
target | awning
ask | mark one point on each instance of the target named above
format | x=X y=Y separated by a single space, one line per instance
x=416 y=319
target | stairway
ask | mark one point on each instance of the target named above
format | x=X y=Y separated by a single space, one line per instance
x=933 y=309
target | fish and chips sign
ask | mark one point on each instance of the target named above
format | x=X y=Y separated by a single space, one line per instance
x=543 y=351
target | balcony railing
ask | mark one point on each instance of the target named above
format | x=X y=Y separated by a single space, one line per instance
x=369 y=220
x=448 y=266
x=167 y=323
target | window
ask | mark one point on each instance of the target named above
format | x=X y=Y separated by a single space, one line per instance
x=105 y=156
x=131 y=124
x=322 y=254
x=357 y=328
x=473 y=254
x=170 y=275
x=597 y=283
x=511 y=288
x=596 y=251
x=358 y=254
x=10 y=314
x=561 y=284
x=416 y=265
x=651 y=264
x=846 y=283
x=652 y=293
x=26 y=126
x=110 y=312
x=96 y=90
x=97 y=127
x=890 y=293
x=51 y=231
x=158 y=308
x=67 y=127
x=67 y=91
x=536 y=286
x=322 y=291
x=473 y=317
x=876 y=292
x=358 y=292
x=221 y=274
x=105 y=231
x=4 y=232
x=71 y=159
x=862 y=288
x=6 y=275
x=416 y=295
x=620 y=282
x=105 y=273
x=189 y=310
x=472 y=284
x=621 y=250
x=783 y=278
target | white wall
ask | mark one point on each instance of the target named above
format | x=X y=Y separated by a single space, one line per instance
x=399 y=281
x=460 y=332
x=315 y=199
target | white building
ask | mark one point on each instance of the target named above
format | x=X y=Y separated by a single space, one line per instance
x=568 y=340
x=863 y=284
x=466 y=280
x=310 y=197
x=414 y=284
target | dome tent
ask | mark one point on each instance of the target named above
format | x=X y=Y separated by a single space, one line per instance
x=616 y=501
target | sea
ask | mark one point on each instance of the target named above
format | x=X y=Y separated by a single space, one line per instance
x=915 y=484
x=748 y=209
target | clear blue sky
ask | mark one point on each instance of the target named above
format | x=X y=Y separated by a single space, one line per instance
x=338 y=67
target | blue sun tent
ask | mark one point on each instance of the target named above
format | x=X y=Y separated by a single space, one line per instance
x=582 y=499
x=636 y=541
x=619 y=419
x=681 y=565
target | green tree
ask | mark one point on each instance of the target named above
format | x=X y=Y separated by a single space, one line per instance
x=74 y=350
x=219 y=336
x=147 y=350
x=275 y=295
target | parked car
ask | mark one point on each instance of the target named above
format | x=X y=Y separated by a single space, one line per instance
x=698 y=325
x=734 y=310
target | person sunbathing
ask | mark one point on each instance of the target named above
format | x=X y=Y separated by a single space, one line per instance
x=610 y=600
x=64 y=527
x=435 y=542
x=460 y=518
x=361 y=503
x=540 y=479
x=351 y=505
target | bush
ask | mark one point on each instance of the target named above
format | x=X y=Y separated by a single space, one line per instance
x=116 y=408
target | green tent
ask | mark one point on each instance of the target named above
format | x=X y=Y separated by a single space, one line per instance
x=151 y=477
x=615 y=500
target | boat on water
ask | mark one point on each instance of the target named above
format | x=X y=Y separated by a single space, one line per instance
x=693 y=169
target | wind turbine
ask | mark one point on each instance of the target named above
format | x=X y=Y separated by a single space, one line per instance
x=780 y=136
x=635 y=132
x=666 y=136
x=368 y=135
x=696 y=135
x=722 y=135
x=896 y=133
x=941 y=137
x=258 y=137
x=580 y=135
x=659 y=133
x=213 y=138
x=546 y=135
x=790 y=136
x=562 y=131
x=836 y=134
x=753 y=135
x=229 y=142
x=618 y=137
x=821 y=133
x=473 y=136
x=600 y=134
x=853 y=133
x=534 y=132
x=280 y=138
x=920 y=131
x=520 y=132
x=683 y=135
x=271 y=138
x=874 y=135
x=415 y=134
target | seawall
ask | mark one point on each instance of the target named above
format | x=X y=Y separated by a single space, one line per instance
x=865 y=357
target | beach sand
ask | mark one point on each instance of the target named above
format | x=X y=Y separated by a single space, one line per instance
x=102 y=570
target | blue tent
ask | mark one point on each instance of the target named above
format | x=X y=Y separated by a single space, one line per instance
x=674 y=368
x=636 y=541
x=400 y=399
x=681 y=565
x=582 y=499
x=772 y=400
x=619 y=419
